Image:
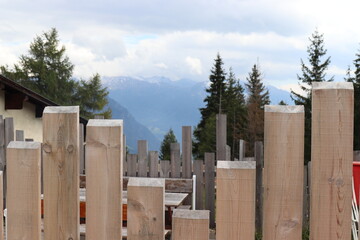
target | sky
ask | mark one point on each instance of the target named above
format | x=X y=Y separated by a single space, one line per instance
x=181 y=38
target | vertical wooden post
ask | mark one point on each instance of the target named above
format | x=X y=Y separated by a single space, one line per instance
x=228 y=153
x=175 y=160
x=124 y=156
x=331 y=157
x=284 y=172
x=164 y=168
x=81 y=148
x=190 y=224
x=241 y=150
x=235 y=200
x=210 y=186
x=198 y=171
x=154 y=163
x=220 y=137
x=104 y=153
x=61 y=173
x=9 y=130
x=2 y=143
x=259 y=159
x=19 y=135
x=186 y=151
x=146 y=209
x=23 y=190
x=131 y=162
x=142 y=158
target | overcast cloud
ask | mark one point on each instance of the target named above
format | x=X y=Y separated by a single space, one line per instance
x=180 y=39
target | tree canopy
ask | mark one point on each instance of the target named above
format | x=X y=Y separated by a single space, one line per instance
x=165 y=145
x=47 y=70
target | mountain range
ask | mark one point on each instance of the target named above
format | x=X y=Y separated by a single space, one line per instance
x=151 y=106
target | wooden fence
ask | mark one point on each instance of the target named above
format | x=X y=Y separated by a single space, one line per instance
x=238 y=185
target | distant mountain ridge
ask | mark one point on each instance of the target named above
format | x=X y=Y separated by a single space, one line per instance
x=160 y=103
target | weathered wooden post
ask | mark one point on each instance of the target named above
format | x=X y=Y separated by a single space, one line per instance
x=19 y=135
x=259 y=159
x=235 y=200
x=241 y=150
x=23 y=190
x=104 y=153
x=61 y=173
x=1 y=204
x=186 y=151
x=143 y=162
x=146 y=209
x=131 y=164
x=190 y=224
x=198 y=171
x=124 y=166
x=175 y=160
x=283 y=172
x=154 y=163
x=81 y=148
x=221 y=137
x=331 y=157
x=210 y=186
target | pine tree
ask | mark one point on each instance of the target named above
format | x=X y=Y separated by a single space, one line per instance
x=235 y=108
x=313 y=73
x=48 y=71
x=258 y=97
x=92 y=98
x=213 y=104
x=356 y=81
x=165 y=145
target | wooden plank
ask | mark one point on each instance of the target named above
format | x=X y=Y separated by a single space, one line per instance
x=284 y=167
x=198 y=171
x=142 y=158
x=61 y=168
x=154 y=163
x=131 y=162
x=19 y=135
x=146 y=209
x=259 y=159
x=190 y=224
x=176 y=185
x=235 y=200
x=164 y=168
x=331 y=157
x=220 y=137
x=124 y=156
x=228 y=153
x=81 y=149
x=241 y=150
x=175 y=160
x=186 y=151
x=104 y=151
x=210 y=186
x=2 y=144
x=23 y=190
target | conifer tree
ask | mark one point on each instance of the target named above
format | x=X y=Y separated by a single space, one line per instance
x=315 y=72
x=47 y=71
x=169 y=138
x=258 y=97
x=356 y=81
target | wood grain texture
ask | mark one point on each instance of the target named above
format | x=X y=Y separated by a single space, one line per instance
x=235 y=200
x=331 y=161
x=146 y=209
x=24 y=190
x=61 y=173
x=175 y=160
x=131 y=164
x=186 y=151
x=154 y=163
x=190 y=225
x=210 y=186
x=142 y=158
x=198 y=171
x=104 y=153
x=284 y=172
x=221 y=137
x=81 y=148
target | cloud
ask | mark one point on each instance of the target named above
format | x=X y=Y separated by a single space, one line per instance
x=194 y=64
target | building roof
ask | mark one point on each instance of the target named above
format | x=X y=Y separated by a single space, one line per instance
x=16 y=94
